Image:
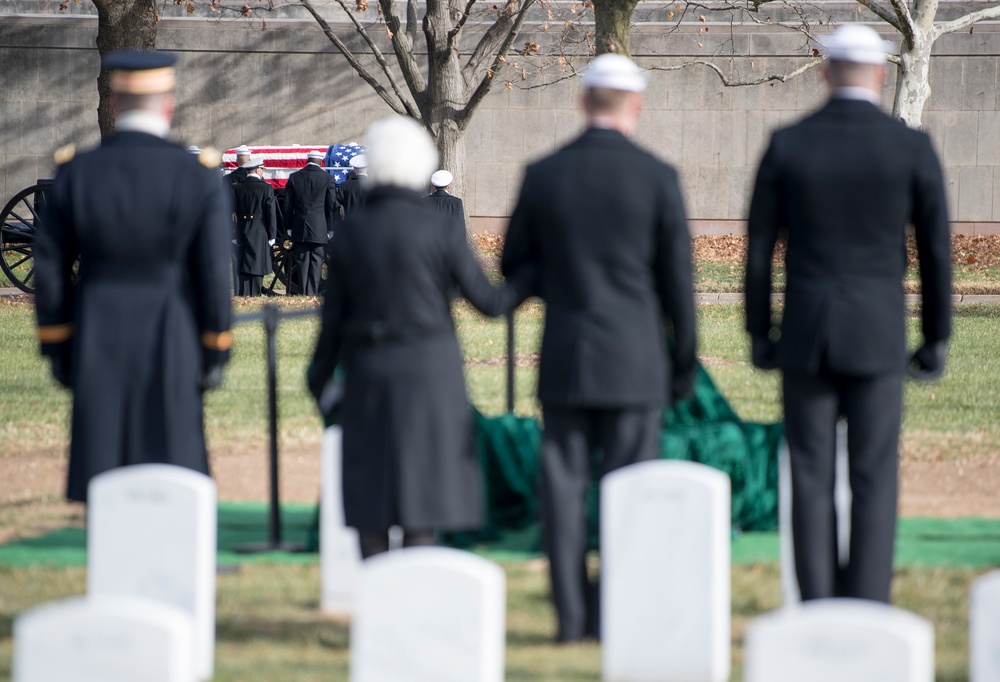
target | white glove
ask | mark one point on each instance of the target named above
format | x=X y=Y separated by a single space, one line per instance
x=271 y=243
x=289 y=233
x=234 y=241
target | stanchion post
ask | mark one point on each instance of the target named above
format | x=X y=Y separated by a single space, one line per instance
x=271 y=333
x=510 y=361
x=271 y=318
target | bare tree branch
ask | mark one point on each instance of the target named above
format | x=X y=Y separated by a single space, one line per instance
x=453 y=33
x=411 y=20
x=403 y=47
x=400 y=107
x=379 y=59
x=486 y=81
x=882 y=12
x=501 y=31
x=906 y=26
x=967 y=21
x=731 y=83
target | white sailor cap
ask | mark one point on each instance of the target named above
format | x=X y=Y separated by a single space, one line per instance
x=856 y=43
x=316 y=154
x=194 y=149
x=360 y=161
x=442 y=178
x=614 y=72
x=243 y=150
x=254 y=162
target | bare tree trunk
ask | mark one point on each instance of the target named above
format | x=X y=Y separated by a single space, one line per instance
x=613 y=20
x=913 y=82
x=121 y=25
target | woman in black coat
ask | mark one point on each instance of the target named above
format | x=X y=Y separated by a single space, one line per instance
x=408 y=454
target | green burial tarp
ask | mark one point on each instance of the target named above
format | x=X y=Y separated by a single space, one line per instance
x=973 y=543
x=703 y=428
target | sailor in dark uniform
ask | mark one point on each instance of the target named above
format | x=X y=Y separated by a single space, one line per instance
x=255 y=211
x=841 y=186
x=242 y=157
x=351 y=193
x=144 y=329
x=603 y=222
x=443 y=200
x=310 y=211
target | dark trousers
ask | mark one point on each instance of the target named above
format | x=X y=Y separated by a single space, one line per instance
x=249 y=285
x=307 y=260
x=377 y=541
x=873 y=408
x=625 y=436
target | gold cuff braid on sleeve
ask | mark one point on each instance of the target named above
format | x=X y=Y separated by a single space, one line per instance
x=55 y=333
x=217 y=340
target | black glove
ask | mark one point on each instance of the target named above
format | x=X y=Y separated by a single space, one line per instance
x=682 y=385
x=212 y=363
x=211 y=377
x=61 y=370
x=927 y=363
x=764 y=352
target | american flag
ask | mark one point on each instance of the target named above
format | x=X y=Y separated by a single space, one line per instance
x=282 y=161
x=338 y=160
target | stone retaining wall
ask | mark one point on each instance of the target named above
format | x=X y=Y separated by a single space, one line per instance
x=288 y=85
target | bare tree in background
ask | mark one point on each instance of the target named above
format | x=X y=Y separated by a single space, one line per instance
x=121 y=25
x=916 y=21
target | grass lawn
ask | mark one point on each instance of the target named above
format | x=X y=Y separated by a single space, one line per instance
x=269 y=627
x=268 y=624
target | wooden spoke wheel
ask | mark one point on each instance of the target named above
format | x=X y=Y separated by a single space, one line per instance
x=18 y=220
x=281 y=266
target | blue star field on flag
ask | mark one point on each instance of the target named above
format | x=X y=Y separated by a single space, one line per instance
x=338 y=160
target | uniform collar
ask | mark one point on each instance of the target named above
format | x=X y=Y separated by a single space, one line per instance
x=854 y=93
x=142 y=121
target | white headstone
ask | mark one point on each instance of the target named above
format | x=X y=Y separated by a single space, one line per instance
x=151 y=532
x=984 y=629
x=429 y=614
x=833 y=640
x=665 y=541
x=339 y=550
x=103 y=639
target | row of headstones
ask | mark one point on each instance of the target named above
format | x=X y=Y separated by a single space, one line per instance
x=439 y=614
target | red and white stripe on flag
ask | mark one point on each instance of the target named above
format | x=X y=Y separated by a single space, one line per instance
x=279 y=162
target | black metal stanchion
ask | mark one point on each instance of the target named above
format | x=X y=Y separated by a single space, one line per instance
x=273 y=543
x=511 y=364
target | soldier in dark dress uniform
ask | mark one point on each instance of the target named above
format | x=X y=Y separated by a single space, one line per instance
x=443 y=201
x=310 y=211
x=841 y=187
x=254 y=207
x=408 y=448
x=145 y=328
x=603 y=223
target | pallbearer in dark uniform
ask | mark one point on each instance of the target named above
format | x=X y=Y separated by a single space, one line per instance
x=145 y=328
x=443 y=201
x=310 y=211
x=841 y=187
x=254 y=207
x=603 y=223
x=351 y=193
x=408 y=448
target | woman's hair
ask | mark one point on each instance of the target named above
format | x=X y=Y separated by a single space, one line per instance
x=400 y=153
